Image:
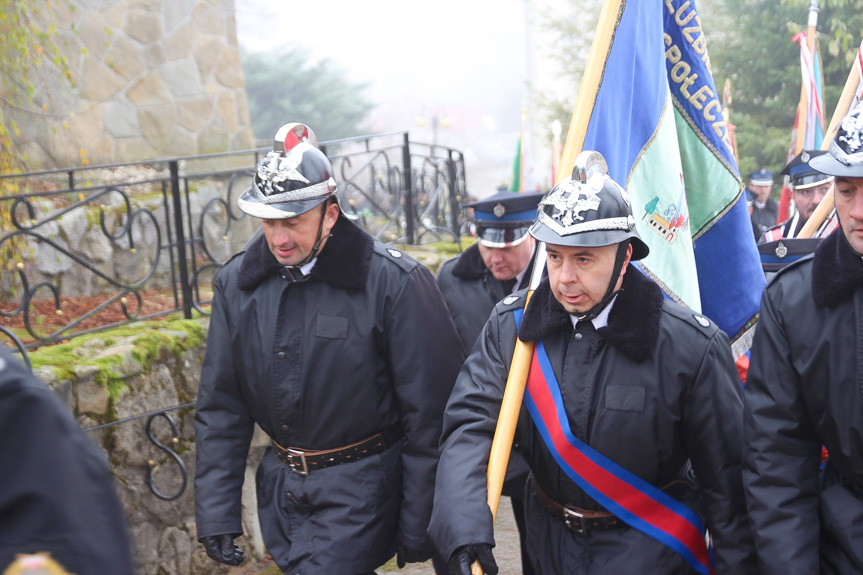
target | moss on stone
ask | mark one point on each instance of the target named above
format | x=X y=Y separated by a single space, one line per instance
x=150 y=340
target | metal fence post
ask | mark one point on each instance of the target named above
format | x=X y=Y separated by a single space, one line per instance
x=453 y=194
x=409 y=194
x=180 y=242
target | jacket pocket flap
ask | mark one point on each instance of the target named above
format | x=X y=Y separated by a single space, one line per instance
x=624 y=398
x=333 y=327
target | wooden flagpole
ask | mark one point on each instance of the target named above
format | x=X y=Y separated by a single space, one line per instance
x=514 y=394
x=852 y=84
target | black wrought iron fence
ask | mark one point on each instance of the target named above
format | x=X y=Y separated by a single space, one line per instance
x=139 y=241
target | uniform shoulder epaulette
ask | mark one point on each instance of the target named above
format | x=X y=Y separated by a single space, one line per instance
x=239 y=254
x=698 y=320
x=396 y=256
x=511 y=302
x=795 y=265
x=449 y=262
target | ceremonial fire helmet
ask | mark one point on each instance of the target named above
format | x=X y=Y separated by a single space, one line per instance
x=845 y=156
x=588 y=209
x=292 y=179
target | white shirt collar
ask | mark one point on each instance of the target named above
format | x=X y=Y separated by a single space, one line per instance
x=520 y=275
x=518 y=278
x=306 y=268
x=602 y=319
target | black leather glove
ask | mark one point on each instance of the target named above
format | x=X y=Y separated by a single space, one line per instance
x=463 y=557
x=221 y=548
x=405 y=555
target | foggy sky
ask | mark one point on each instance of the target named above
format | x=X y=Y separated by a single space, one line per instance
x=464 y=61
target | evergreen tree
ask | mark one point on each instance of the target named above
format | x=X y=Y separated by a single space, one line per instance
x=749 y=41
x=290 y=86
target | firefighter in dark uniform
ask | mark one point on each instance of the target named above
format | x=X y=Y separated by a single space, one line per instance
x=496 y=266
x=57 y=498
x=474 y=281
x=646 y=384
x=764 y=209
x=341 y=349
x=804 y=392
x=808 y=187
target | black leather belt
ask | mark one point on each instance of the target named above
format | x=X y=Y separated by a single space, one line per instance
x=582 y=521
x=302 y=461
x=578 y=520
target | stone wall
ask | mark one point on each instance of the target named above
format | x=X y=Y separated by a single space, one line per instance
x=152 y=79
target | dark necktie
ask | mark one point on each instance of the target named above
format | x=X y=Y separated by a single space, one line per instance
x=584 y=325
x=508 y=285
x=294 y=274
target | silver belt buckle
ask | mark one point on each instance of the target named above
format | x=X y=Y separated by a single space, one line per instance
x=574 y=521
x=299 y=470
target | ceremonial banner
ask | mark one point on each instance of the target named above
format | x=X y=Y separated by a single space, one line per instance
x=658 y=122
x=810 y=68
x=813 y=115
x=516 y=184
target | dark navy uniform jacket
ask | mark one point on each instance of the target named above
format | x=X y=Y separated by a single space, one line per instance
x=56 y=494
x=804 y=390
x=362 y=344
x=656 y=391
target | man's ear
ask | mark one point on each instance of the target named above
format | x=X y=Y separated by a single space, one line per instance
x=332 y=214
x=626 y=259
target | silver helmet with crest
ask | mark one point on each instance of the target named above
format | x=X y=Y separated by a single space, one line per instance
x=845 y=156
x=292 y=179
x=588 y=209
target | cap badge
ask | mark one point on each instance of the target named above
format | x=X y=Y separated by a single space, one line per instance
x=781 y=250
x=394 y=253
x=570 y=200
x=499 y=210
x=852 y=124
x=275 y=169
x=804 y=157
x=702 y=321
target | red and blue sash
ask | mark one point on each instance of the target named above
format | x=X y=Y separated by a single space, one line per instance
x=633 y=500
x=774 y=234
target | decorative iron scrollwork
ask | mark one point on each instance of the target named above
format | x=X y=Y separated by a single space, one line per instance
x=152 y=467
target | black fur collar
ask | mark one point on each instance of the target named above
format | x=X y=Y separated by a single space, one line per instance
x=633 y=324
x=343 y=262
x=469 y=265
x=836 y=271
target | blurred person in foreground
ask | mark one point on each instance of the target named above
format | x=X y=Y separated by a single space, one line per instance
x=633 y=410
x=804 y=392
x=58 y=505
x=474 y=281
x=341 y=349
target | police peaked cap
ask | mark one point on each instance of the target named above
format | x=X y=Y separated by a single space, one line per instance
x=801 y=174
x=503 y=219
x=845 y=156
x=761 y=177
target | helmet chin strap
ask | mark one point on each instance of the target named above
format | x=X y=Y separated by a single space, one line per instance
x=609 y=293
x=318 y=239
